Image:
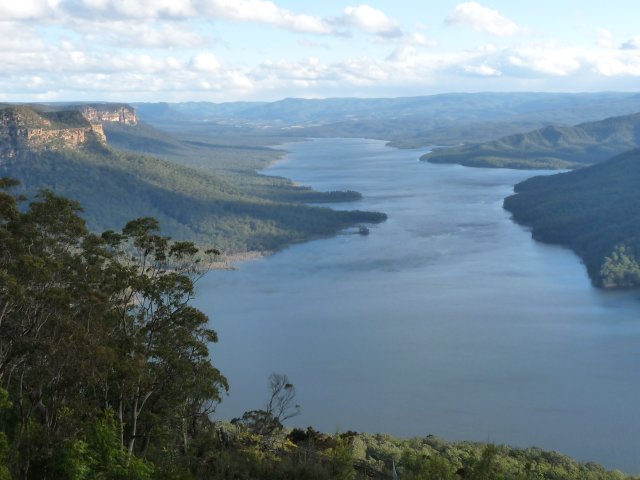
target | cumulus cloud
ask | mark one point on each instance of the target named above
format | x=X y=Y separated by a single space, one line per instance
x=26 y=9
x=483 y=19
x=256 y=11
x=71 y=69
x=546 y=59
x=616 y=64
x=370 y=20
x=155 y=49
x=419 y=39
x=205 y=62
x=362 y=17
x=262 y=11
x=17 y=38
x=132 y=9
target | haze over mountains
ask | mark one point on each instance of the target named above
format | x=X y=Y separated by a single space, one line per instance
x=446 y=119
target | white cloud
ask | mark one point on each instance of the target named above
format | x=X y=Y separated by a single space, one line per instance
x=262 y=11
x=481 y=70
x=138 y=9
x=26 y=9
x=370 y=20
x=155 y=49
x=205 y=62
x=257 y=11
x=17 y=37
x=619 y=63
x=483 y=19
x=604 y=38
x=419 y=40
x=546 y=59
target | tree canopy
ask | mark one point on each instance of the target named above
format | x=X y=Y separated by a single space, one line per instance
x=99 y=346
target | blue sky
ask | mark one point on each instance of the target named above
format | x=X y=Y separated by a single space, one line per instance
x=226 y=50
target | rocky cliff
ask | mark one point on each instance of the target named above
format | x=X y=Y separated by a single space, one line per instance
x=101 y=113
x=31 y=128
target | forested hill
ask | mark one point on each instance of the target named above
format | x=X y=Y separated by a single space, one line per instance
x=594 y=210
x=550 y=147
x=73 y=159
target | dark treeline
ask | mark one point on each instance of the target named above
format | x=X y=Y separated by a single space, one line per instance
x=594 y=210
x=106 y=373
x=115 y=186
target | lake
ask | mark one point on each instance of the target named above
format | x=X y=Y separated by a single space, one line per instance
x=448 y=319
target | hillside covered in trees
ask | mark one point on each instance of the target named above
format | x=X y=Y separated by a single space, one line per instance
x=233 y=208
x=107 y=372
x=551 y=147
x=595 y=211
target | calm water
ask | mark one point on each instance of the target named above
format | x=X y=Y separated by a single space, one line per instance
x=447 y=319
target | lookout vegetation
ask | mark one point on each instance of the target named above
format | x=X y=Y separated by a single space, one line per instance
x=106 y=373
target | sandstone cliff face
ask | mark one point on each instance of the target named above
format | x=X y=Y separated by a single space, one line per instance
x=107 y=113
x=42 y=138
x=24 y=128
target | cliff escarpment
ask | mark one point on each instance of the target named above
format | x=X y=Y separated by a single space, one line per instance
x=24 y=128
x=109 y=113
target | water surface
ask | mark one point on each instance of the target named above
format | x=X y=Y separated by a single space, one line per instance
x=447 y=319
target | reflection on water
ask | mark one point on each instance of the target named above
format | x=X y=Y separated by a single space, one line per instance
x=447 y=319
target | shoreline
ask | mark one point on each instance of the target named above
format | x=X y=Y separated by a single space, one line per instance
x=230 y=261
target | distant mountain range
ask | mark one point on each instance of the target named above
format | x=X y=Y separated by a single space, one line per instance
x=446 y=119
x=550 y=147
x=67 y=150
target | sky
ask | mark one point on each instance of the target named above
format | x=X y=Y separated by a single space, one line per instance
x=231 y=50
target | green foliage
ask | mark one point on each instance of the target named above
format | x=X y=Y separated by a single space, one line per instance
x=487 y=467
x=90 y=325
x=594 y=210
x=621 y=268
x=419 y=466
x=341 y=460
x=101 y=456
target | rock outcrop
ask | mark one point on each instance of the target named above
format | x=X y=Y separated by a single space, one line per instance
x=101 y=113
x=32 y=128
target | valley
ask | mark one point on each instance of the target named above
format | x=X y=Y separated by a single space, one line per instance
x=444 y=275
x=280 y=240
x=206 y=193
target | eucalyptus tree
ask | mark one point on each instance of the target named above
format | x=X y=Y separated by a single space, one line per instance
x=92 y=324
